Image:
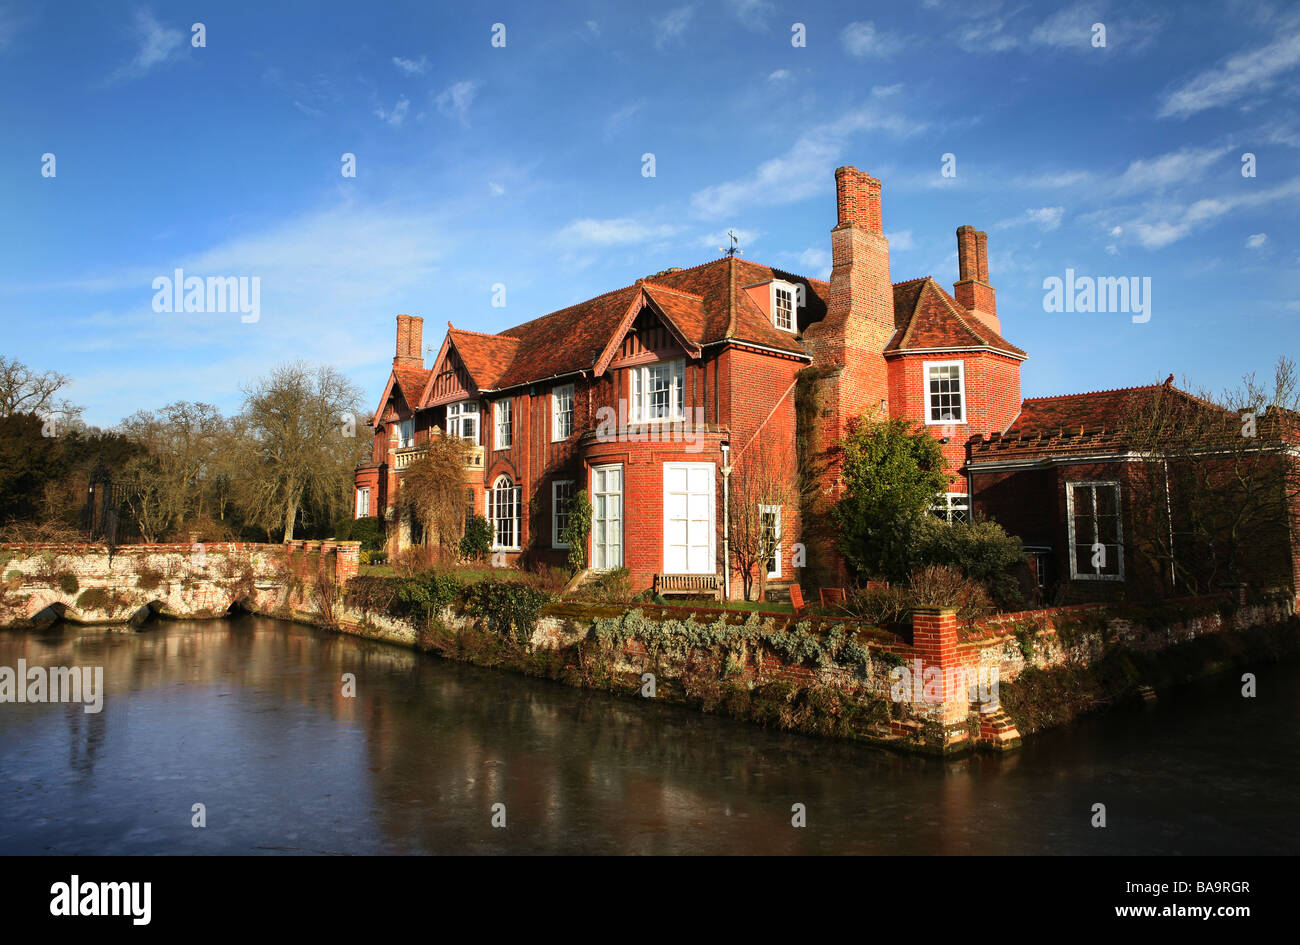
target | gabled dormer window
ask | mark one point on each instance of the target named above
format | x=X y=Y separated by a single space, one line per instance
x=785 y=305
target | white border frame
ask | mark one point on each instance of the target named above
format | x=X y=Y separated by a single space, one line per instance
x=713 y=518
x=622 y=515
x=925 y=392
x=555 y=411
x=794 y=304
x=776 y=556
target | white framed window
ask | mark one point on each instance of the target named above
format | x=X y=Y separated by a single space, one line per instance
x=606 y=517
x=503 y=412
x=785 y=306
x=1092 y=511
x=503 y=511
x=561 y=412
x=951 y=507
x=945 y=392
x=561 y=497
x=363 y=502
x=405 y=433
x=769 y=530
x=462 y=420
x=689 y=529
x=659 y=391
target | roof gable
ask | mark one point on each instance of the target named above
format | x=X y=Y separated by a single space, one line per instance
x=928 y=318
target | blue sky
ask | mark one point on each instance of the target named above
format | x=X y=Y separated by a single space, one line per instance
x=522 y=165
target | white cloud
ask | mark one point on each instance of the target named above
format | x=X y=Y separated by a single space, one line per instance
x=780 y=75
x=1070 y=28
x=613 y=232
x=902 y=240
x=670 y=27
x=394 y=116
x=1255 y=71
x=1257 y=241
x=816 y=261
x=884 y=91
x=456 y=99
x=721 y=239
x=1049 y=218
x=1167 y=170
x=753 y=14
x=803 y=170
x=159 y=45
x=863 y=40
x=1163 y=225
x=616 y=121
x=495 y=189
x=411 y=66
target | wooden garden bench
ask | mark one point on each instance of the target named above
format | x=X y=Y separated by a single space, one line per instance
x=692 y=585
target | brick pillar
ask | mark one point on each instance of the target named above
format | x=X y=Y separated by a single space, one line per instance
x=347 y=561
x=934 y=637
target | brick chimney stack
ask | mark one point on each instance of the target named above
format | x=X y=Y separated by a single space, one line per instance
x=859 y=322
x=410 y=341
x=972 y=287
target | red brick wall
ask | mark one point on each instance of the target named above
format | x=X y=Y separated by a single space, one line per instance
x=992 y=388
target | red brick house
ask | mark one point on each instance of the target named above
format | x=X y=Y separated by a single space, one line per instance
x=1109 y=509
x=647 y=396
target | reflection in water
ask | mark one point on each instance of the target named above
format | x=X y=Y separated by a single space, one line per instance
x=247 y=716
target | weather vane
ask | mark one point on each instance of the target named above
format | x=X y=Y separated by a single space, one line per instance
x=734 y=248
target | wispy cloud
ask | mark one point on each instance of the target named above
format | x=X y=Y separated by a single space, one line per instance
x=1255 y=71
x=620 y=117
x=864 y=40
x=671 y=27
x=801 y=171
x=411 y=66
x=620 y=231
x=721 y=239
x=753 y=14
x=1256 y=241
x=1169 y=170
x=158 y=46
x=1162 y=225
x=456 y=99
x=393 y=116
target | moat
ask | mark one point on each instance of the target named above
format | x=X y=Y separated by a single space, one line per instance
x=247 y=716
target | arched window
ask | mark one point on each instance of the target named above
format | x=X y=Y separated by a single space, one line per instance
x=503 y=507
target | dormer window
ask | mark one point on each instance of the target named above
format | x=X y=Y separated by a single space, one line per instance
x=785 y=307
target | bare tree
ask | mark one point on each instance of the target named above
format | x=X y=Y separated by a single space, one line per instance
x=302 y=445
x=1216 y=482
x=23 y=390
x=175 y=482
x=433 y=490
x=760 y=484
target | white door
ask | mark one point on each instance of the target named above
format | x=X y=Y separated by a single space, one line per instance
x=607 y=517
x=688 y=519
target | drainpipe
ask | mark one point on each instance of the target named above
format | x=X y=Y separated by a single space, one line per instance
x=1169 y=517
x=726 y=520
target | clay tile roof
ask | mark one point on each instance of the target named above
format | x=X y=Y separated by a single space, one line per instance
x=486 y=357
x=928 y=317
x=704 y=303
x=410 y=382
x=1070 y=423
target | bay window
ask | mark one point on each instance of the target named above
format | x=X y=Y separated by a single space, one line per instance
x=659 y=391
